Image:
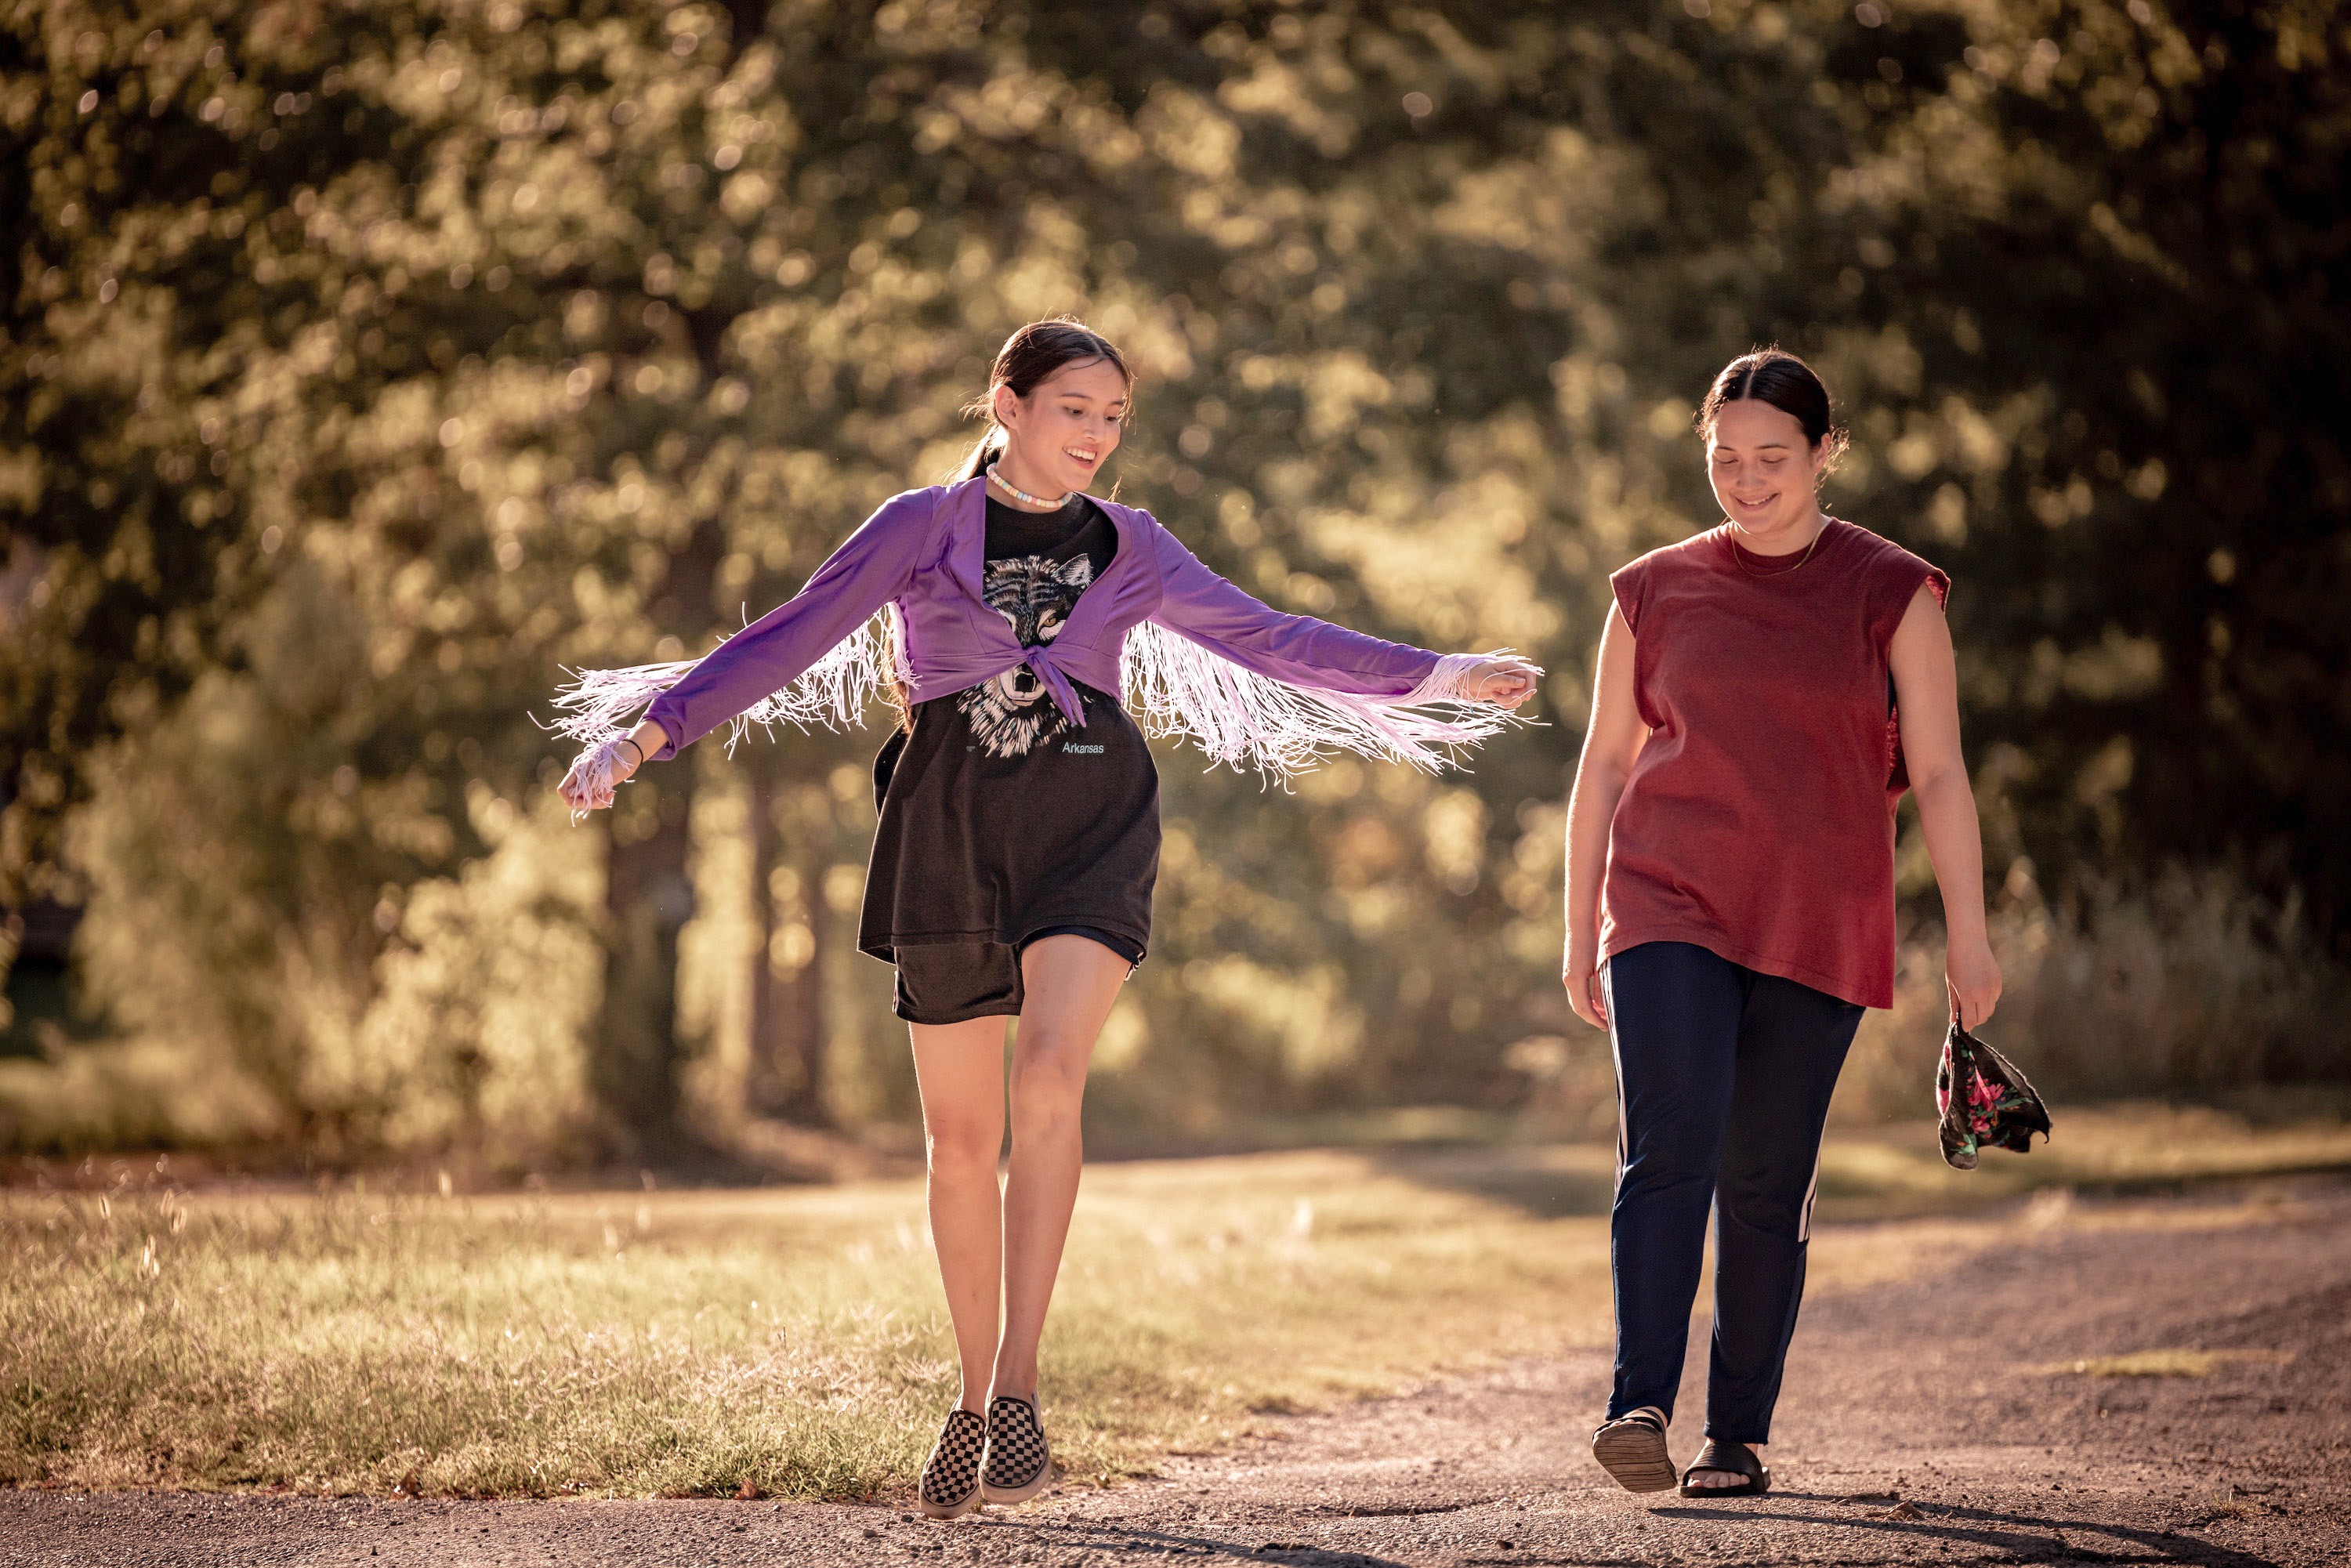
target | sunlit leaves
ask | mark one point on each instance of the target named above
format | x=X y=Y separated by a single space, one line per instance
x=528 y=335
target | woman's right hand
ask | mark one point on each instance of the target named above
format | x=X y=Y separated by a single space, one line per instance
x=581 y=789
x=616 y=760
x=1580 y=973
x=1972 y=980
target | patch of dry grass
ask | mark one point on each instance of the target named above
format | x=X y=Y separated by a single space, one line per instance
x=1895 y=1170
x=2173 y=1362
x=2186 y=987
x=648 y=1343
x=793 y=1341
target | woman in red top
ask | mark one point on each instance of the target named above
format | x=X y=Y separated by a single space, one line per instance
x=1767 y=691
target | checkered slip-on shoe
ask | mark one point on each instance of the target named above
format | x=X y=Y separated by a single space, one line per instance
x=1019 y=1463
x=951 y=1475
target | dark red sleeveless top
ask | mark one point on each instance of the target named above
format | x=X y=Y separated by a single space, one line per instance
x=1759 y=821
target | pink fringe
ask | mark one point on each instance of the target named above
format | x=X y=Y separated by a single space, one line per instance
x=1175 y=685
x=1244 y=719
x=589 y=786
x=599 y=706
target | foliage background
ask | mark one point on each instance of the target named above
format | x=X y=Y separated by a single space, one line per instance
x=363 y=366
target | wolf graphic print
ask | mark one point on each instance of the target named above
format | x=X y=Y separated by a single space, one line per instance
x=1011 y=714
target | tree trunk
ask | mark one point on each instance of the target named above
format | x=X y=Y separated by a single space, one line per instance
x=787 y=1077
x=648 y=899
x=801 y=1001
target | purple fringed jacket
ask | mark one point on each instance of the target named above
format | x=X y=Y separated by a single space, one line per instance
x=1193 y=653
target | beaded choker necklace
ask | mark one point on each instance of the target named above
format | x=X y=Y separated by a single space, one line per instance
x=1017 y=494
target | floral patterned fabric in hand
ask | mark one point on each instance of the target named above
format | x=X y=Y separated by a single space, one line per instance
x=1984 y=1101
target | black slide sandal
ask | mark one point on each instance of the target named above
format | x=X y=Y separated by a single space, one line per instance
x=1732 y=1459
x=1631 y=1448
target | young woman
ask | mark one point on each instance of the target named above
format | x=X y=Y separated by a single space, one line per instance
x=1019 y=839
x=1767 y=691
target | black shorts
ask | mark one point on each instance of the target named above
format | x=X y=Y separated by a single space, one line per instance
x=951 y=982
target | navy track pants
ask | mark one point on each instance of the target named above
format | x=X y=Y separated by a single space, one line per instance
x=1723 y=1078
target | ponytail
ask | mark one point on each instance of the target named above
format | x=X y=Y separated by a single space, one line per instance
x=985 y=450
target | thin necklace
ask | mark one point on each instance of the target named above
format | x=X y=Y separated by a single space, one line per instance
x=1738 y=557
x=1017 y=494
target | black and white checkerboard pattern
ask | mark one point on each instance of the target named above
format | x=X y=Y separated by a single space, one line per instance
x=952 y=1470
x=1017 y=1454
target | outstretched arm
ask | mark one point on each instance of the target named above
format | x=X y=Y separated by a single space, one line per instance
x=1611 y=742
x=1304 y=651
x=873 y=567
x=1927 y=695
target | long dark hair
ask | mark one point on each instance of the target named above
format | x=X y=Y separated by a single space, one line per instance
x=1030 y=358
x=1777 y=377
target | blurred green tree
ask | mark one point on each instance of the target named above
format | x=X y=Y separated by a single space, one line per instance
x=362 y=368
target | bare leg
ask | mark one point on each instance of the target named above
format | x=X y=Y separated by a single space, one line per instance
x=1070 y=983
x=959 y=1068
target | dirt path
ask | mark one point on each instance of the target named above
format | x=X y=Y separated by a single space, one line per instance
x=1933 y=1390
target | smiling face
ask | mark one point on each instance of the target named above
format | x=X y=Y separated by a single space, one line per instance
x=1058 y=437
x=1765 y=473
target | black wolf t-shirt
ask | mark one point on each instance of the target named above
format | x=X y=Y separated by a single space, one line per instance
x=1000 y=819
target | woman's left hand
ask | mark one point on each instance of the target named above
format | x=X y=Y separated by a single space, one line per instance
x=1972 y=976
x=1505 y=680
